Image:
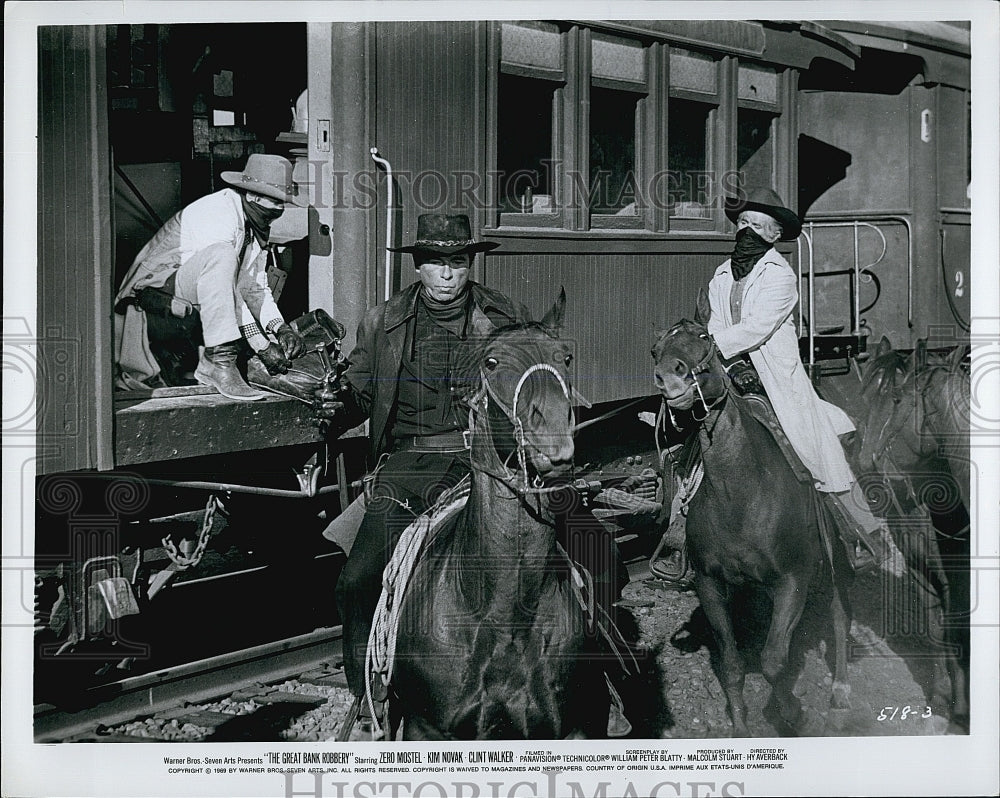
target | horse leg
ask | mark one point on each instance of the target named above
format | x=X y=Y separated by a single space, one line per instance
x=714 y=601
x=789 y=599
x=840 y=697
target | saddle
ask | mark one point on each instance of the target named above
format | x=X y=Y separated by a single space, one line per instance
x=760 y=408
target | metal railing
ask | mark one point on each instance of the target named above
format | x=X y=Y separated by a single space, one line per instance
x=858 y=272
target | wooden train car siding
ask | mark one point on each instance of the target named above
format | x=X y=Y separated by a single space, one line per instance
x=429 y=123
x=75 y=262
x=614 y=305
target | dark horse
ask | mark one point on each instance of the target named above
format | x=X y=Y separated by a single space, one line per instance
x=492 y=641
x=751 y=522
x=913 y=441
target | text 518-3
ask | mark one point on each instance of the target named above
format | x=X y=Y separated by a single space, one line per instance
x=904 y=713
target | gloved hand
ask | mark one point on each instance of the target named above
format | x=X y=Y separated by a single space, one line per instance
x=291 y=342
x=274 y=360
x=327 y=402
x=745 y=379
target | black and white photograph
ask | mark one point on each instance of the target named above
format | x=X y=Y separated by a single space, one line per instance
x=484 y=400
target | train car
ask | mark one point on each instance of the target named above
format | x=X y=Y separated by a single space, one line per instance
x=595 y=153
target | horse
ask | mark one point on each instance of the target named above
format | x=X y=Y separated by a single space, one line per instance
x=492 y=640
x=912 y=452
x=751 y=522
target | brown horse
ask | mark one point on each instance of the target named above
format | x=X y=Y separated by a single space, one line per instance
x=751 y=521
x=493 y=642
x=913 y=456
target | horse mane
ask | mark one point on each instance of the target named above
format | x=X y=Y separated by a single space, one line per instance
x=886 y=372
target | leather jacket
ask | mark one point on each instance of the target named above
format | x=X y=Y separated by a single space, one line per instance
x=373 y=374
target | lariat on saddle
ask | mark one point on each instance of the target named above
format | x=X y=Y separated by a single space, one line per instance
x=380 y=654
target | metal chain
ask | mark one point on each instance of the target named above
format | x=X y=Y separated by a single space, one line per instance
x=182 y=561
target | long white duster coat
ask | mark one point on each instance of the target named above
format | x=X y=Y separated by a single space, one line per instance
x=767 y=333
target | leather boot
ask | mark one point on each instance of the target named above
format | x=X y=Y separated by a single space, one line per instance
x=217 y=367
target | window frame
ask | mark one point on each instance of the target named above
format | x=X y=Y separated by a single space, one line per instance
x=571 y=134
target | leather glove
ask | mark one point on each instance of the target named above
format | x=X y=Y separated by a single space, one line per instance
x=327 y=402
x=274 y=360
x=291 y=342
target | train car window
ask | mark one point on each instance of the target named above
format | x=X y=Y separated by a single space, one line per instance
x=689 y=142
x=524 y=144
x=612 y=152
x=755 y=147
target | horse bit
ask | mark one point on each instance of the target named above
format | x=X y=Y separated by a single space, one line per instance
x=698 y=368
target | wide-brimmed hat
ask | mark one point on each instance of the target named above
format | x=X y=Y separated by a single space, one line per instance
x=764 y=200
x=270 y=175
x=440 y=234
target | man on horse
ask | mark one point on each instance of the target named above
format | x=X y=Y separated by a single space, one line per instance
x=751 y=298
x=399 y=377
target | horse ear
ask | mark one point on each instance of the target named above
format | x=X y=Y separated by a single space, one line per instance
x=884 y=346
x=702 y=308
x=554 y=318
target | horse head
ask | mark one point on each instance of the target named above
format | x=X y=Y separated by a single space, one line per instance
x=885 y=413
x=522 y=411
x=686 y=367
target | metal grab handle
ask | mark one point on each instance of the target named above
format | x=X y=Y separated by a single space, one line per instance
x=388 y=220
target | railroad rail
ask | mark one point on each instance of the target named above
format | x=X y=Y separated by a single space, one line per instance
x=101 y=708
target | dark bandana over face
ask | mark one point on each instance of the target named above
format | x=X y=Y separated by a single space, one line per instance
x=259 y=218
x=749 y=249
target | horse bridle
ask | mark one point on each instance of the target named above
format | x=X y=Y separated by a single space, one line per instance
x=700 y=367
x=481 y=399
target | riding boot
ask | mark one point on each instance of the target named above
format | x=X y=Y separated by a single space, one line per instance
x=865 y=538
x=217 y=368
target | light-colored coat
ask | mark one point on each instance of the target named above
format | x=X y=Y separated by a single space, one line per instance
x=212 y=220
x=766 y=332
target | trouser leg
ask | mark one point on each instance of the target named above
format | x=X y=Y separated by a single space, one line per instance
x=360 y=583
x=208 y=279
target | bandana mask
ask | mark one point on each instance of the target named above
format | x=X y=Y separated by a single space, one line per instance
x=259 y=218
x=749 y=249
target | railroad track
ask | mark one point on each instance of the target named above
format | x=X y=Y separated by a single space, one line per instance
x=245 y=694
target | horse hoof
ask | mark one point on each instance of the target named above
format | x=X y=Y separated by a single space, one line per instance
x=840 y=698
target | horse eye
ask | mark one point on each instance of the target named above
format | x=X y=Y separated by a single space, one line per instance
x=492 y=363
x=567 y=359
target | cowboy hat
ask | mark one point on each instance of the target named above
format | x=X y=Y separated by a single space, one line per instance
x=270 y=175
x=764 y=200
x=439 y=234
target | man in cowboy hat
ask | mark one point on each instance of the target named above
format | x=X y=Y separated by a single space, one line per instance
x=751 y=297
x=398 y=377
x=211 y=256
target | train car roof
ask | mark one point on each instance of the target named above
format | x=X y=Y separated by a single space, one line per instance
x=952 y=37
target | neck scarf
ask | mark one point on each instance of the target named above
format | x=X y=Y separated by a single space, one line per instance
x=451 y=315
x=259 y=218
x=749 y=249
